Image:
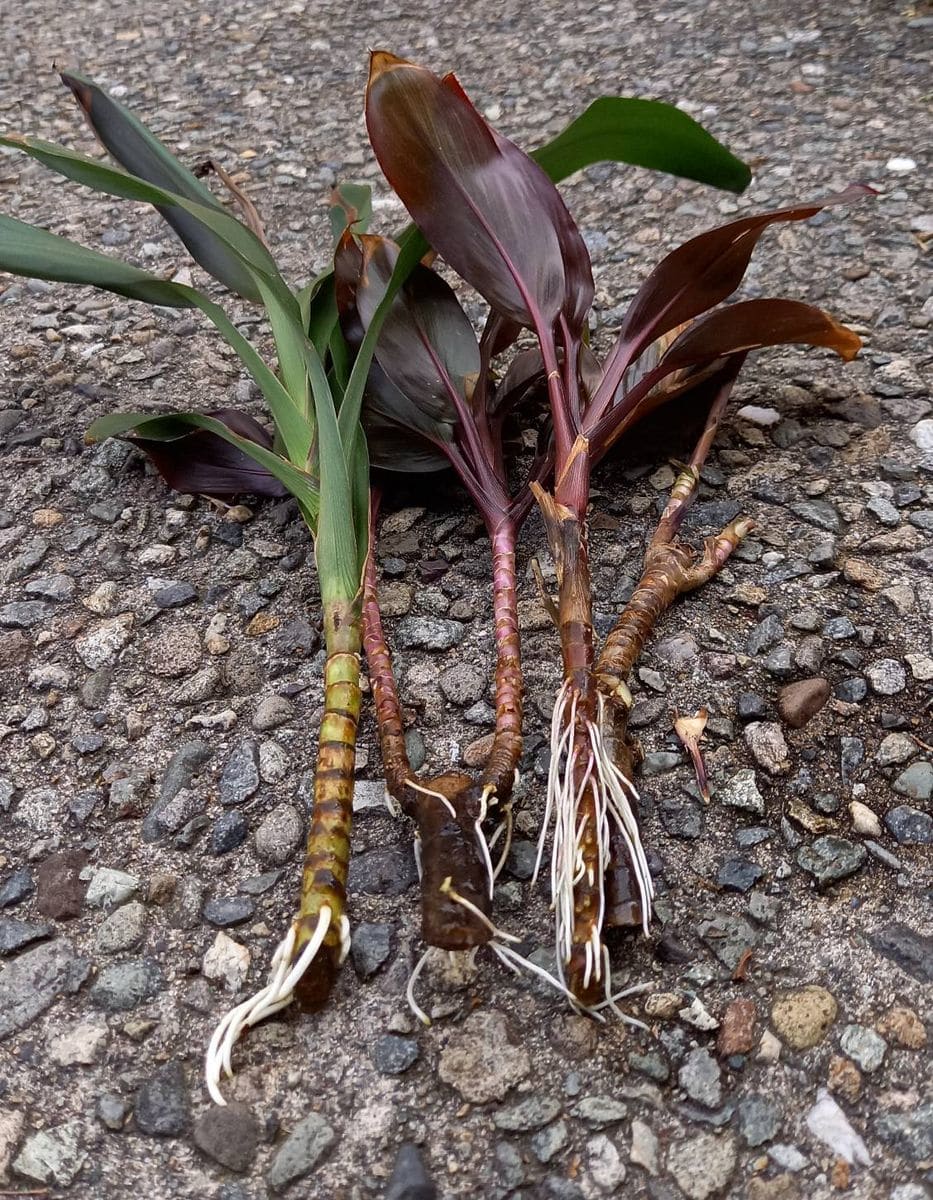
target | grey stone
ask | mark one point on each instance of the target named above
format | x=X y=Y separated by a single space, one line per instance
x=32 y=982
x=463 y=683
x=765 y=635
x=700 y=1078
x=53 y=1156
x=598 y=1112
x=24 y=614
x=480 y=1061
x=229 y=831
x=703 y=1165
x=765 y=740
x=886 y=676
x=100 y=646
x=659 y=762
x=175 y=595
x=125 y=985
x=819 y=513
x=123 y=929
x=895 y=749
x=865 y=1047
x=742 y=792
x=109 y=888
x=851 y=756
x=229 y=1135
x=759 y=1119
x=728 y=937
x=912 y=951
x=370 y=947
x=112 y=1110
x=548 y=1142
x=240 y=776
x=392 y=1055
x=429 y=633
x=161 y=1107
x=527 y=1115
x=301 y=1151
x=14 y=935
x=916 y=783
x=279 y=834
x=738 y=875
x=910 y=826
x=58 y=588
x=681 y=817
x=830 y=859
x=839 y=629
x=183 y=766
x=227 y=911
x=409 y=1179
x=909 y=1134
x=385 y=871
x=273 y=711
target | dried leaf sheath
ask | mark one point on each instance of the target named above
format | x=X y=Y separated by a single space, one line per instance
x=502 y=764
x=327 y=857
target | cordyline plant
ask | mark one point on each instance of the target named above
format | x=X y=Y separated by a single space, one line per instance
x=430 y=403
x=496 y=218
x=317 y=453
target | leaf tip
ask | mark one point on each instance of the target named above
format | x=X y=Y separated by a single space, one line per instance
x=381 y=61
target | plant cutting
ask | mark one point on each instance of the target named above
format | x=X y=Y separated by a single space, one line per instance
x=494 y=216
x=318 y=454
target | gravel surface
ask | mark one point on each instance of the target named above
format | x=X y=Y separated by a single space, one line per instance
x=159 y=658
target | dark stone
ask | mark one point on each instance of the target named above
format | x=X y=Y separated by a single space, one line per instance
x=228 y=1135
x=230 y=830
x=681 y=817
x=839 y=628
x=521 y=861
x=752 y=707
x=392 y=1054
x=35 y=979
x=61 y=890
x=851 y=756
x=852 y=691
x=14 y=935
x=257 y=885
x=385 y=871
x=124 y=985
x=162 y=1104
x=176 y=595
x=909 y=1134
x=910 y=950
x=370 y=947
x=297 y=638
x=183 y=766
x=737 y=875
x=819 y=513
x=16 y=887
x=910 y=826
x=409 y=1179
x=765 y=635
x=301 y=1151
x=759 y=1119
x=228 y=911
x=830 y=859
x=240 y=777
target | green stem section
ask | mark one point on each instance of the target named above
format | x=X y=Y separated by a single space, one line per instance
x=324 y=878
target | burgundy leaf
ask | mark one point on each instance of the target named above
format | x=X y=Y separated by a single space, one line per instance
x=482 y=203
x=696 y=276
x=200 y=462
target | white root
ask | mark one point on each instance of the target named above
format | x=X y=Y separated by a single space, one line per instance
x=613 y=794
x=276 y=995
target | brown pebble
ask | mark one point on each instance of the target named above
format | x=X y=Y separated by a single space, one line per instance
x=47 y=518
x=902 y=1025
x=576 y=1037
x=799 y=702
x=477 y=752
x=737 y=1034
x=782 y=1187
x=14 y=648
x=802 y=1016
x=161 y=888
x=263 y=622
x=841 y=1175
x=59 y=886
x=844 y=1078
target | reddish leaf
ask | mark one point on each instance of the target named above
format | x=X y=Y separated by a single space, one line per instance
x=201 y=462
x=483 y=204
x=696 y=276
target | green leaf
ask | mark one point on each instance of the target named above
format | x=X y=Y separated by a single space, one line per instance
x=142 y=154
x=38 y=254
x=644 y=133
x=114 y=181
x=173 y=425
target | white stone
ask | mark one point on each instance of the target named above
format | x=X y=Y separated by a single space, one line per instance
x=644 y=1152
x=697 y=1015
x=864 y=821
x=12 y=1123
x=769 y=1048
x=102 y=644
x=607 y=1169
x=828 y=1122
x=702 y=1165
x=899 y=164
x=921 y=666
x=81 y=1045
x=226 y=960
x=759 y=416
x=102 y=599
x=922 y=435
x=108 y=887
